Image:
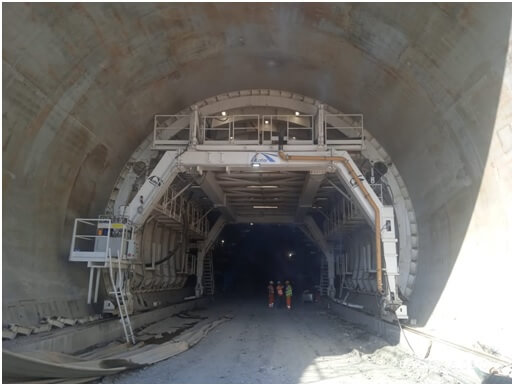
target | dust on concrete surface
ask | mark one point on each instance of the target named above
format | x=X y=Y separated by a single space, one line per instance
x=305 y=345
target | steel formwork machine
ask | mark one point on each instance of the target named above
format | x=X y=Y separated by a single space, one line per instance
x=210 y=145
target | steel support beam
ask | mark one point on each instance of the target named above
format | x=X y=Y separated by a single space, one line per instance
x=265 y=219
x=245 y=160
x=310 y=188
x=212 y=189
x=387 y=226
x=153 y=189
x=353 y=189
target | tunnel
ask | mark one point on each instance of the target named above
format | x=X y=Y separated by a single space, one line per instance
x=98 y=99
x=248 y=257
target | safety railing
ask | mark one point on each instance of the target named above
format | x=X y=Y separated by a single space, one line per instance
x=295 y=129
x=253 y=129
x=271 y=129
x=344 y=129
x=216 y=129
x=175 y=206
x=233 y=129
x=245 y=129
x=300 y=129
x=171 y=130
x=90 y=240
x=344 y=214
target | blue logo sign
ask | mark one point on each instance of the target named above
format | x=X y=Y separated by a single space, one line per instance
x=263 y=158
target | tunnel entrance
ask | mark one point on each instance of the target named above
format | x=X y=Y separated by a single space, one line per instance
x=91 y=111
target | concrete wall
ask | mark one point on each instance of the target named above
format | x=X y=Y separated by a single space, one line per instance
x=81 y=83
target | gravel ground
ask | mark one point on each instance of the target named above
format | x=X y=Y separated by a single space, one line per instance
x=303 y=345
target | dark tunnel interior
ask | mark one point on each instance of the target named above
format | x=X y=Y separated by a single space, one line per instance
x=247 y=257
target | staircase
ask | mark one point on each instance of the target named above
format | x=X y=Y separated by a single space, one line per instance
x=323 y=281
x=208 y=275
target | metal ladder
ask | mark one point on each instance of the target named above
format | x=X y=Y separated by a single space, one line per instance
x=208 y=275
x=323 y=280
x=119 y=294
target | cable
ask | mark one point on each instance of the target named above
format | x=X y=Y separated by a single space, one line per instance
x=166 y=258
x=403 y=332
x=397 y=321
x=390 y=192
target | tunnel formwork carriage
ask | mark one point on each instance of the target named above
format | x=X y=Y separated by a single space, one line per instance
x=261 y=156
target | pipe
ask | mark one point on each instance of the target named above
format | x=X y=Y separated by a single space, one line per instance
x=347 y=165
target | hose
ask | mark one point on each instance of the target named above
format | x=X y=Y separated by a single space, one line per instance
x=405 y=336
x=165 y=258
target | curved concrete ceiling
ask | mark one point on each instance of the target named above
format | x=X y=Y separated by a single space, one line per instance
x=81 y=83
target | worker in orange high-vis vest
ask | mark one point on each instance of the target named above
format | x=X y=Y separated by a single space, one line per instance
x=280 y=295
x=289 y=294
x=271 y=295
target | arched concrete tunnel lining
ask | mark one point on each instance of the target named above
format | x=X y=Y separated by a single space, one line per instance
x=428 y=78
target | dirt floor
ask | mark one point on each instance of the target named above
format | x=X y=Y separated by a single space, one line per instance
x=303 y=345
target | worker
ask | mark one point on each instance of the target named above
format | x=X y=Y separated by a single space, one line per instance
x=280 y=294
x=289 y=294
x=271 y=294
